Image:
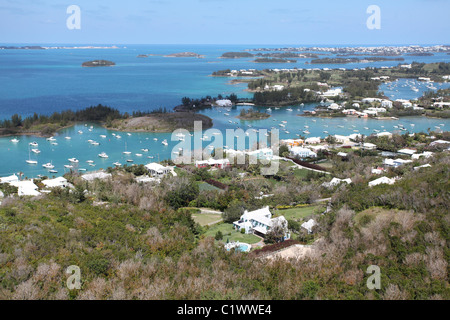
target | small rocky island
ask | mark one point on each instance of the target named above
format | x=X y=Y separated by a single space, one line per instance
x=98 y=63
x=184 y=55
x=251 y=114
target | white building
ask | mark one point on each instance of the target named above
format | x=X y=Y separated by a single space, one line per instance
x=382 y=180
x=335 y=182
x=309 y=225
x=213 y=163
x=334 y=106
x=9 y=179
x=425 y=154
x=96 y=175
x=157 y=170
x=369 y=146
x=408 y=152
x=224 y=103
x=313 y=140
x=26 y=188
x=302 y=152
x=260 y=222
x=59 y=182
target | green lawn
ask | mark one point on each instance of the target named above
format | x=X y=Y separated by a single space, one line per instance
x=231 y=234
x=205 y=218
x=301 y=173
x=203 y=186
x=299 y=213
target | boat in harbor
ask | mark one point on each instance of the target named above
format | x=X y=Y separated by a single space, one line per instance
x=29 y=161
x=15 y=140
x=48 y=165
x=34 y=144
x=37 y=151
x=73 y=160
x=165 y=142
x=103 y=155
x=126 y=152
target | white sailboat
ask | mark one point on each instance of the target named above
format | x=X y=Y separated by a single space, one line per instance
x=29 y=161
x=126 y=152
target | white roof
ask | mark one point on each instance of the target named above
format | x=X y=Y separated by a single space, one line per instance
x=438 y=142
x=156 y=167
x=212 y=162
x=96 y=175
x=309 y=225
x=407 y=151
x=26 y=188
x=382 y=180
x=57 y=182
x=423 y=166
x=9 y=179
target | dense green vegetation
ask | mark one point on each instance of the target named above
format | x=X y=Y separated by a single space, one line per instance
x=49 y=124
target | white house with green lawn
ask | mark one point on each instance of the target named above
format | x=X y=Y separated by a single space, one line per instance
x=260 y=222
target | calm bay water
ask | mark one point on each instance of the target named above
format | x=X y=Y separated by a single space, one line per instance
x=45 y=81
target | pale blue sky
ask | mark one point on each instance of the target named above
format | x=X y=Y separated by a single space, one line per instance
x=225 y=22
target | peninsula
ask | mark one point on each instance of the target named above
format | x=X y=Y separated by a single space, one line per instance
x=161 y=122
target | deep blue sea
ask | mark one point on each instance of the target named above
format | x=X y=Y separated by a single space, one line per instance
x=45 y=81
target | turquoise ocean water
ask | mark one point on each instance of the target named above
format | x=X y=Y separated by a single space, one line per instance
x=45 y=81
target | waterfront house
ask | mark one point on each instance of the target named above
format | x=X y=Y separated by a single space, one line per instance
x=349 y=111
x=260 y=222
x=9 y=179
x=384 y=134
x=59 y=182
x=313 y=140
x=387 y=104
x=157 y=170
x=224 y=103
x=26 y=188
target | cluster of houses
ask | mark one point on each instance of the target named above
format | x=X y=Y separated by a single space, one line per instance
x=29 y=187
